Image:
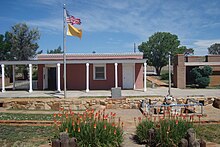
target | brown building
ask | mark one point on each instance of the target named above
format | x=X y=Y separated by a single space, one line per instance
x=184 y=64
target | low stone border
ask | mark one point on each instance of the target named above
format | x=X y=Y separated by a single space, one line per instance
x=83 y=103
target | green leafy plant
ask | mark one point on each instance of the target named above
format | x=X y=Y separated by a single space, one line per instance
x=168 y=132
x=200 y=76
x=90 y=128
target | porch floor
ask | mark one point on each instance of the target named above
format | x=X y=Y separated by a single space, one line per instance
x=159 y=91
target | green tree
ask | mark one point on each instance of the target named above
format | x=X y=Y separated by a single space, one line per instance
x=158 y=47
x=24 y=42
x=201 y=76
x=214 y=49
x=186 y=51
x=55 y=51
x=5 y=47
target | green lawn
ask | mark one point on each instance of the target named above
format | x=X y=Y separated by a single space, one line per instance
x=19 y=116
x=24 y=136
x=209 y=132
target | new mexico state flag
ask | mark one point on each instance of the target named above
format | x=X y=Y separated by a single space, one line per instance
x=72 y=31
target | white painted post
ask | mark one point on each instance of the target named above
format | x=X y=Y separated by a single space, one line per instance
x=13 y=70
x=30 y=78
x=3 y=77
x=145 y=77
x=87 y=77
x=116 y=75
x=58 y=77
x=169 y=90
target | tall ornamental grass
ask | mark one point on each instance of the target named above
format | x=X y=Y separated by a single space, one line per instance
x=167 y=131
x=91 y=129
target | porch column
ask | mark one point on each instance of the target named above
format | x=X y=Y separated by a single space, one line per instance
x=116 y=75
x=30 y=78
x=3 y=77
x=145 y=77
x=87 y=77
x=13 y=71
x=58 y=77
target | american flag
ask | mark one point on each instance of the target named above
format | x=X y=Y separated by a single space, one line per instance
x=71 y=19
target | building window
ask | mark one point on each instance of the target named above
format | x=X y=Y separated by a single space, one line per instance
x=99 y=72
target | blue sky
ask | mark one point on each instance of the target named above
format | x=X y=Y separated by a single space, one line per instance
x=114 y=25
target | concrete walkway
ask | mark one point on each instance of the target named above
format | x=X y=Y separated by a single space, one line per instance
x=159 y=91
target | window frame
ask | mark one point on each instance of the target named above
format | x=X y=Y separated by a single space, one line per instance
x=94 y=71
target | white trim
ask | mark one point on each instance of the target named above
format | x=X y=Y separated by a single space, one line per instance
x=87 y=77
x=201 y=63
x=30 y=78
x=116 y=75
x=145 y=77
x=99 y=65
x=134 y=68
x=3 y=77
x=13 y=74
x=58 y=77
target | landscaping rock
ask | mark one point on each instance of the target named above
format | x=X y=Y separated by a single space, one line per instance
x=216 y=103
x=55 y=106
x=202 y=143
x=55 y=143
x=183 y=143
x=195 y=143
x=191 y=136
x=72 y=142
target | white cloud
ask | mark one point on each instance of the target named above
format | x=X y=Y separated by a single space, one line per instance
x=48 y=25
x=205 y=43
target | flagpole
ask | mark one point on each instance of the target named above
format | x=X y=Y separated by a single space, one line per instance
x=64 y=50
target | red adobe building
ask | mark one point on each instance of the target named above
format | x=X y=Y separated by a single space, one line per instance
x=91 y=71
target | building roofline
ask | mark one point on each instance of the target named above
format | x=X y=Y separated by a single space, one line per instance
x=72 y=61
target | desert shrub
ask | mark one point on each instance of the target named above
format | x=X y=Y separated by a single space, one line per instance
x=168 y=132
x=91 y=129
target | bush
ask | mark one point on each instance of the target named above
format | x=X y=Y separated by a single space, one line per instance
x=168 y=132
x=203 y=82
x=90 y=129
x=207 y=70
x=165 y=76
x=200 y=76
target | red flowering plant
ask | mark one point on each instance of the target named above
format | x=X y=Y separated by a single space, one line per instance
x=167 y=131
x=91 y=128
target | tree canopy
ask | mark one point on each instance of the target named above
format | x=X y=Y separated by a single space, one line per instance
x=158 y=47
x=20 y=43
x=23 y=42
x=55 y=51
x=186 y=51
x=214 y=49
x=5 y=47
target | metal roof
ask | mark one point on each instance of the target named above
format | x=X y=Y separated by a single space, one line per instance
x=72 y=61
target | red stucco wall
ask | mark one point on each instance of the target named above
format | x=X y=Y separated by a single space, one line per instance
x=76 y=77
x=138 y=76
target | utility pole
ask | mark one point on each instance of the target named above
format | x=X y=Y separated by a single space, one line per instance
x=134 y=48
